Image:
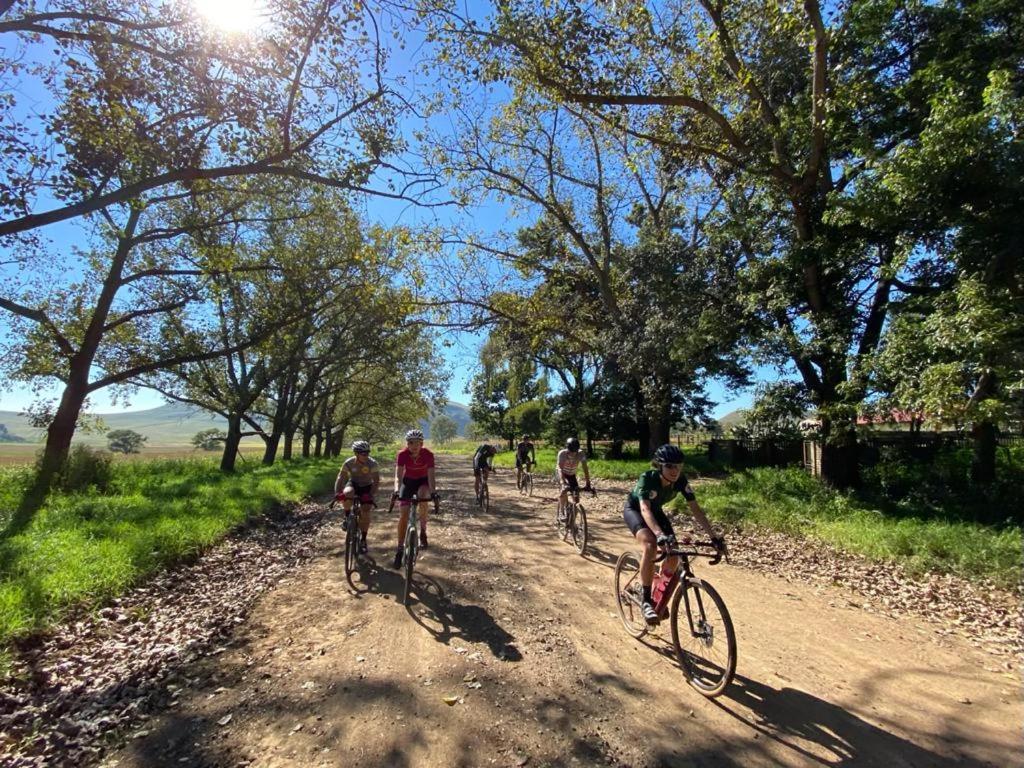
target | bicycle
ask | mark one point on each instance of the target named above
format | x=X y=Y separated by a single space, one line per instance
x=350 y=524
x=709 y=658
x=483 y=496
x=411 y=546
x=525 y=481
x=571 y=520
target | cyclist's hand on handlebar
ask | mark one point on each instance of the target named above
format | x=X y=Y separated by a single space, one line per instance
x=667 y=540
x=718 y=542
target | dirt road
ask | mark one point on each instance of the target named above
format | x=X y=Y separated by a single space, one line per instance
x=523 y=632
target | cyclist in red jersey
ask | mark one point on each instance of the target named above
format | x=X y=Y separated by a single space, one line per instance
x=414 y=476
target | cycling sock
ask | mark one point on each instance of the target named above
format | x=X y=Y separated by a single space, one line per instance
x=647 y=593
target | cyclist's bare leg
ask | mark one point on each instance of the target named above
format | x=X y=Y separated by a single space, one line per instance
x=476 y=484
x=364 y=518
x=403 y=520
x=645 y=537
x=424 y=495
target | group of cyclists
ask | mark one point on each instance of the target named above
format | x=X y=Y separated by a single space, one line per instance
x=643 y=513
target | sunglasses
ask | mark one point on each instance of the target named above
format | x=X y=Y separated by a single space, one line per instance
x=671 y=466
x=363 y=453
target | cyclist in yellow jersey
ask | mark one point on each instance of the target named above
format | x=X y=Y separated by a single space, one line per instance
x=358 y=478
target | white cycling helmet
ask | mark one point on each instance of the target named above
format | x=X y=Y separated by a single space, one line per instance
x=414 y=434
x=360 y=446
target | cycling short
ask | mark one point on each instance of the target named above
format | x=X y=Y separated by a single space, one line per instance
x=410 y=486
x=477 y=467
x=569 y=481
x=362 y=492
x=635 y=521
x=523 y=462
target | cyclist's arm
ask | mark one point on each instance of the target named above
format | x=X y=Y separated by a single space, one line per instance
x=700 y=517
x=586 y=469
x=339 y=483
x=399 y=475
x=376 y=482
x=430 y=480
x=648 y=515
x=533 y=456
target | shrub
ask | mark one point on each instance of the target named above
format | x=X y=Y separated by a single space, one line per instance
x=85 y=468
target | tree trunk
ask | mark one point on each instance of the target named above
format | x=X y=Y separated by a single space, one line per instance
x=983 y=460
x=642 y=425
x=289 y=439
x=231 y=442
x=271 y=443
x=319 y=450
x=307 y=439
x=840 y=454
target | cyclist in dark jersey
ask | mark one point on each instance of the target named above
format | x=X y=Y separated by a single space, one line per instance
x=646 y=519
x=482 y=464
x=526 y=456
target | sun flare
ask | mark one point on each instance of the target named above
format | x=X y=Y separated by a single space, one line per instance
x=235 y=16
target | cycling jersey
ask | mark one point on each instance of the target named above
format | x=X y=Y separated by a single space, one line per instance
x=648 y=486
x=415 y=466
x=360 y=474
x=483 y=456
x=523 y=450
x=568 y=461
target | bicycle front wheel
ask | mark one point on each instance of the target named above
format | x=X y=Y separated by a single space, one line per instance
x=703 y=637
x=351 y=547
x=561 y=517
x=485 y=501
x=579 y=528
x=528 y=485
x=410 y=562
x=629 y=594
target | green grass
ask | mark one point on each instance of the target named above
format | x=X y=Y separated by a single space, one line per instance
x=792 y=501
x=84 y=548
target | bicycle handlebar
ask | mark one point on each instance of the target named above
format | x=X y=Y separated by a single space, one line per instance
x=691 y=550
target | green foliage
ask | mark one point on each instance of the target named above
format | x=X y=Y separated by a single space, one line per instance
x=85 y=547
x=776 y=414
x=209 y=439
x=792 y=501
x=443 y=429
x=125 y=441
x=85 y=468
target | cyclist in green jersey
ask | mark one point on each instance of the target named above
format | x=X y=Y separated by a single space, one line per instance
x=646 y=519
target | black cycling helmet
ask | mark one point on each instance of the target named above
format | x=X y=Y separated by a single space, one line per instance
x=573 y=444
x=668 y=454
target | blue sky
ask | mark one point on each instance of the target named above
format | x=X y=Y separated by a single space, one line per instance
x=460 y=356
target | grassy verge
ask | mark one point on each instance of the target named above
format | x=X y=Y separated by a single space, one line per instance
x=792 y=501
x=83 y=548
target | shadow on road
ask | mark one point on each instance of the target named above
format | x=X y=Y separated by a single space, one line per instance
x=447 y=620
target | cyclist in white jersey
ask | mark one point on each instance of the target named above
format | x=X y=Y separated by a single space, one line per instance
x=569 y=460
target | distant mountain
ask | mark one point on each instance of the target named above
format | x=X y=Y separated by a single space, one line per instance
x=169 y=425
x=457 y=411
x=732 y=419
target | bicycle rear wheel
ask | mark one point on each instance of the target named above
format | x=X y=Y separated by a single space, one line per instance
x=579 y=528
x=629 y=594
x=410 y=562
x=351 y=546
x=706 y=642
